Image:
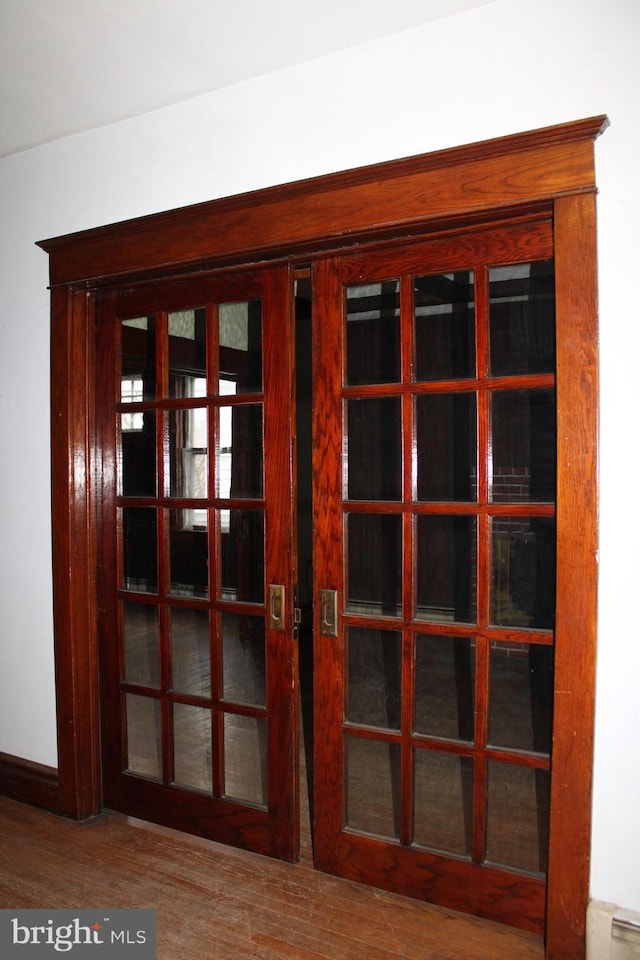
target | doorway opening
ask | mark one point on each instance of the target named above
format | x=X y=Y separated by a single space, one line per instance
x=548 y=172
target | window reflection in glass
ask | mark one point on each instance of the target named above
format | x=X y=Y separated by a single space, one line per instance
x=444 y=326
x=240 y=346
x=522 y=318
x=187 y=353
x=373 y=333
x=138 y=362
x=140 y=549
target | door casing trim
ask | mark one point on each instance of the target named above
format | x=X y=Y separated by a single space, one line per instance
x=480 y=183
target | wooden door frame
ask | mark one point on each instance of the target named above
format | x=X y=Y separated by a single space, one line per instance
x=550 y=169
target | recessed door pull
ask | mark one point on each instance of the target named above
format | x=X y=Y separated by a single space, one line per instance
x=329 y=613
x=276 y=606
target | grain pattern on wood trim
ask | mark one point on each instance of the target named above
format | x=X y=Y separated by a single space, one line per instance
x=451 y=183
x=33 y=783
x=577 y=391
x=72 y=494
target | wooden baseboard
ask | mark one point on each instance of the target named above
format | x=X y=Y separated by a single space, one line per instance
x=29 y=782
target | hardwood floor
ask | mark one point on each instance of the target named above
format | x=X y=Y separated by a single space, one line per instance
x=217 y=902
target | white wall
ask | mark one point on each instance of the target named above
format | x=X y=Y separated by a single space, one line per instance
x=510 y=66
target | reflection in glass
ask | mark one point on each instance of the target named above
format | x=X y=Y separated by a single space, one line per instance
x=374 y=563
x=522 y=318
x=187 y=354
x=446 y=562
x=520 y=696
x=245 y=759
x=373 y=677
x=243 y=659
x=444 y=317
x=243 y=556
x=188 y=556
x=138 y=364
x=140 y=549
x=445 y=670
x=446 y=446
x=523 y=553
x=138 y=454
x=517 y=817
x=240 y=463
x=188 y=453
x=373 y=787
x=524 y=445
x=141 y=643
x=144 y=736
x=443 y=811
x=240 y=338
x=374 y=461
x=373 y=333
x=190 y=655
x=192 y=747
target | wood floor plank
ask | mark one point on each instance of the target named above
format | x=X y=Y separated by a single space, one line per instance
x=225 y=904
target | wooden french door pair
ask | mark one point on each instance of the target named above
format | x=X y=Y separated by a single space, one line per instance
x=433 y=403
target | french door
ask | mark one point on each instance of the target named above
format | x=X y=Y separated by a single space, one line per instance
x=434 y=523
x=197 y=564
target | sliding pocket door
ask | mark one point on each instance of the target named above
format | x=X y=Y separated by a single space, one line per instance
x=198 y=667
x=434 y=470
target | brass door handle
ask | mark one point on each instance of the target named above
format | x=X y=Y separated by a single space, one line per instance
x=329 y=613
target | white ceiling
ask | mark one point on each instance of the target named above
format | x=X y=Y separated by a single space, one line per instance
x=72 y=65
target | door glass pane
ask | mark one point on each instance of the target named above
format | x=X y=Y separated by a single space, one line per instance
x=517 y=817
x=374 y=460
x=187 y=354
x=240 y=464
x=240 y=346
x=243 y=659
x=374 y=564
x=446 y=446
x=190 y=652
x=446 y=562
x=520 y=696
x=242 y=537
x=140 y=549
x=144 y=736
x=138 y=362
x=373 y=787
x=524 y=446
x=188 y=453
x=141 y=644
x=443 y=807
x=444 y=326
x=192 y=747
x=245 y=758
x=373 y=333
x=373 y=677
x=445 y=670
x=523 y=571
x=188 y=555
x=522 y=319
x=138 y=438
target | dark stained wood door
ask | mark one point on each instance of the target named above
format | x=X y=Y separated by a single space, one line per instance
x=434 y=516
x=197 y=568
